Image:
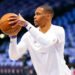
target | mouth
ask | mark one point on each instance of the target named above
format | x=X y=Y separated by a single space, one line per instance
x=35 y=22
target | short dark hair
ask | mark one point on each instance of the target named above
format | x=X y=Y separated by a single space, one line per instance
x=48 y=9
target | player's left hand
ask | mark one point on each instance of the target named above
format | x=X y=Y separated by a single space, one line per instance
x=16 y=20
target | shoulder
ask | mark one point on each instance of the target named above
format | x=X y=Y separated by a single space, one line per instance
x=58 y=29
x=59 y=32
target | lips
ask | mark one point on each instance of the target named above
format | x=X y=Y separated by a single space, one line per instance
x=35 y=21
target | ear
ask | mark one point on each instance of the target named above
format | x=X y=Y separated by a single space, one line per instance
x=49 y=16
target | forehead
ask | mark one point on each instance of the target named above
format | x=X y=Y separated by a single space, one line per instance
x=39 y=9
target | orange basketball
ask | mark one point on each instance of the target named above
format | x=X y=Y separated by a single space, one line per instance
x=6 y=28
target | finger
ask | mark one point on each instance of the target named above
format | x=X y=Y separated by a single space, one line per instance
x=14 y=26
x=18 y=23
x=13 y=22
x=12 y=19
x=19 y=15
x=13 y=16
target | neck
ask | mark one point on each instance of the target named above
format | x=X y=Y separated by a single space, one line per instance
x=45 y=27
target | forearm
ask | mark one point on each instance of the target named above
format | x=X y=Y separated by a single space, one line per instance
x=16 y=50
x=13 y=54
x=40 y=37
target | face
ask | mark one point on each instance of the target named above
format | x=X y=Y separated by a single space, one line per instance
x=41 y=17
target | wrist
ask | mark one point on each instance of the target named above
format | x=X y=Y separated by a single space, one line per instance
x=26 y=24
x=13 y=36
x=29 y=27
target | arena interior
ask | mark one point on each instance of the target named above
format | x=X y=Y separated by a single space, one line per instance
x=64 y=15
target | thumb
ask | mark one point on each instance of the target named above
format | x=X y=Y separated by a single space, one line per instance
x=19 y=15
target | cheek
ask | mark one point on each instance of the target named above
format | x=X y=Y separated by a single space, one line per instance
x=43 y=19
x=39 y=20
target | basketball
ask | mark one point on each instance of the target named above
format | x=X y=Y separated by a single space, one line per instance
x=6 y=28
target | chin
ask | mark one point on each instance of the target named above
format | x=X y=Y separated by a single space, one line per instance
x=36 y=25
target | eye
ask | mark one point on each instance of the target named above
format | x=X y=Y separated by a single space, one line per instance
x=37 y=14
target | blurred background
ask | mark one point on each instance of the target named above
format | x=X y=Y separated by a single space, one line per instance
x=64 y=16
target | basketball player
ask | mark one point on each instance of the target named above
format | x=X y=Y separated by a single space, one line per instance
x=45 y=43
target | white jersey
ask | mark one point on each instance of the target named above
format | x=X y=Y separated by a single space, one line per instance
x=46 y=50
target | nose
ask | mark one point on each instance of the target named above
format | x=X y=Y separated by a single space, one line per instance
x=35 y=17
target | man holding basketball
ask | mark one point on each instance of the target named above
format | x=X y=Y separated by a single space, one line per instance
x=45 y=43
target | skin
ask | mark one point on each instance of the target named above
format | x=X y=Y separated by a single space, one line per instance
x=42 y=19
